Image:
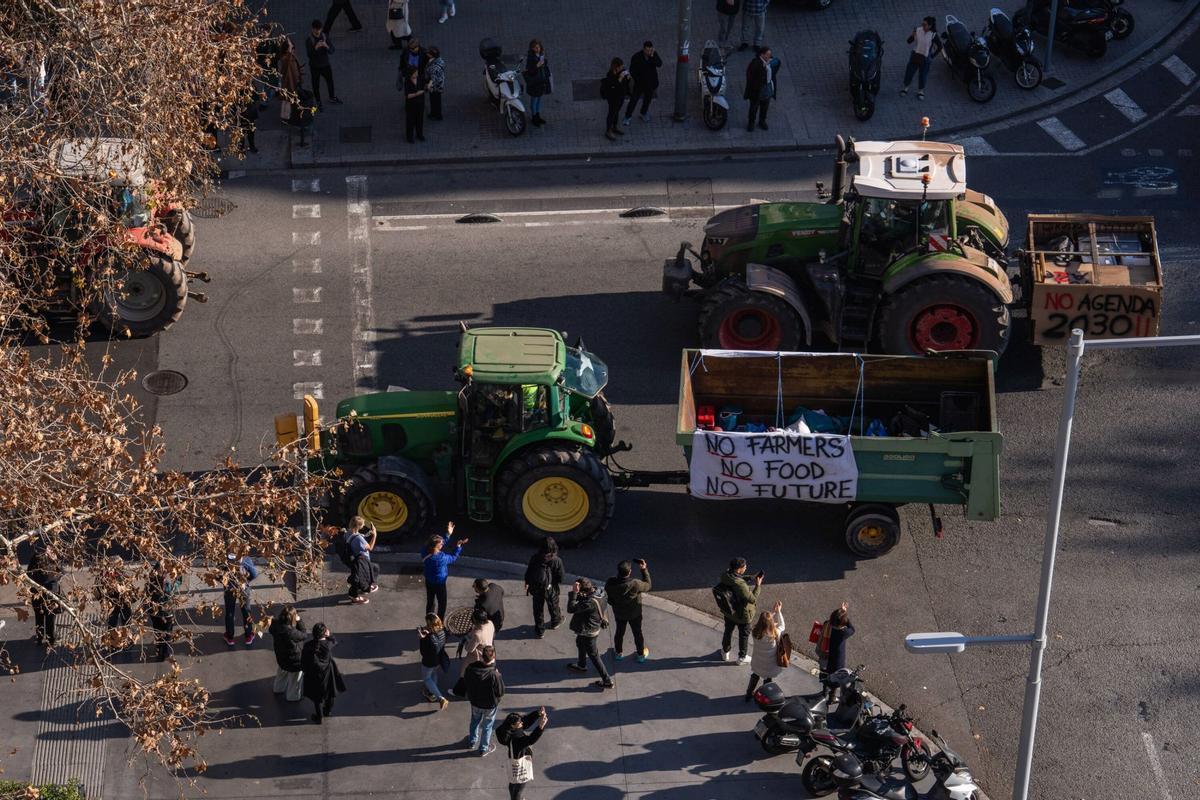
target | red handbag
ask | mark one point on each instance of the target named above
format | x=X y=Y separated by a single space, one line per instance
x=814 y=635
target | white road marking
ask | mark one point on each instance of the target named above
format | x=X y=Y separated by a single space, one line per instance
x=306 y=266
x=306 y=358
x=1061 y=133
x=977 y=146
x=306 y=211
x=1128 y=152
x=403 y=227
x=306 y=295
x=307 y=238
x=1108 y=194
x=1156 y=765
x=1155 y=152
x=1180 y=70
x=1126 y=105
x=1189 y=111
x=315 y=388
x=306 y=185
x=308 y=327
x=358 y=228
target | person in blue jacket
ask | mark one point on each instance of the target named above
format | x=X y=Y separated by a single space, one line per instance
x=436 y=562
x=237 y=593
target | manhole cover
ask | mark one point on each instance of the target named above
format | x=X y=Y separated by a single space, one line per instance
x=212 y=207
x=355 y=135
x=643 y=211
x=164 y=381
x=476 y=219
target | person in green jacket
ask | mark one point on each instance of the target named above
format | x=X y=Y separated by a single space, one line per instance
x=625 y=598
x=745 y=600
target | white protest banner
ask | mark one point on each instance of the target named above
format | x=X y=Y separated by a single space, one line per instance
x=782 y=465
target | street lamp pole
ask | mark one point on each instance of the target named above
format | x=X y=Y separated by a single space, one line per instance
x=1050 y=35
x=681 y=60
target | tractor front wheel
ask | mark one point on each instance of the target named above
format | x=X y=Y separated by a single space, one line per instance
x=943 y=312
x=146 y=299
x=392 y=503
x=735 y=318
x=559 y=491
x=178 y=223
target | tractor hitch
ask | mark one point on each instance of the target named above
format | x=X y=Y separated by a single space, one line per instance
x=199 y=297
x=198 y=276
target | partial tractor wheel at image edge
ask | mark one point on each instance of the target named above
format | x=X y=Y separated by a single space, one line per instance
x=734 y=318
x=179 y=224
x=943 y=312
x=564 y=492
x=392 y=503
x=872 y=530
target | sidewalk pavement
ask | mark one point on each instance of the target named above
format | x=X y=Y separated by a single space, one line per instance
x=671 y=726
x=580 y=40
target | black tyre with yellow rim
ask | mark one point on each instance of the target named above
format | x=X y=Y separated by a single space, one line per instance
x=559 y=490
x=394 y=504
x=872 y=529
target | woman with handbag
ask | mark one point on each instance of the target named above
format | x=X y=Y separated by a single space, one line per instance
x=923 y=40
x=537 y=79
x=397 y=23
x=764 y=663
x=289 y=78
x=518 y=733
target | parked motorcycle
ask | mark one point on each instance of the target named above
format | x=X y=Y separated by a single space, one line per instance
x=1014 y=46
x=952 y=779
x=1120 y=20
x=969 y=58
x=789 y=722
x=502 y=86
x=1085 y=29
x=878 y=741
x=866 y=63
x=712 y=87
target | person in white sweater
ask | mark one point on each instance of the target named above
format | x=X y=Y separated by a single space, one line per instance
x=764 y=662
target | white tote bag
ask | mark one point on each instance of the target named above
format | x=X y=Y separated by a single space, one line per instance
x=520 y=770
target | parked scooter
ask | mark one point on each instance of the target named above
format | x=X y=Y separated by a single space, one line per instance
x=878 y=741
x=968 y=57
x=712 y=87
x=789 y=722
x=1014 y=46
x=866 y=63
x=502 y=87
x=1120 y=20
x=953 y=780
x=1085 y=29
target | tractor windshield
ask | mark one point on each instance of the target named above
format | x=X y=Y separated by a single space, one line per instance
x=584 y=373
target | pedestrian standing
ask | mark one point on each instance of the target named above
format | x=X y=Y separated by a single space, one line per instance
x=519 y=733
x=46 y=575
x=414 y=57
x=117 y=596
x=322 y=678
x=237 y=596
x=643 y=68
x=840 y=630
x=485 y=688
x=543 y=577
x=764 y=664
x=762 y=78
x=287 y=634
x=289 y=78
x=436 y=564
x=161 y=593
x=319 y=47
x=587 y=620
x=481 y=635
x=754 y=12
x=398 y=26
x=624 y=593
x=538 y=82
x=614 y=88
x=338 y=6
x=727 y=11
x=737 y=600
x=489 y=598
x=248 y=121
x=364 y=573
x=436 y=71
x=923 y=40
x=447 y=10
x=433 y=657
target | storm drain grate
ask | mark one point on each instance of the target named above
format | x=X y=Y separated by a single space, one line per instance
x=212 y=207
x=164 y=381
x=477 y=219
x=360 y=134
x=643 y=211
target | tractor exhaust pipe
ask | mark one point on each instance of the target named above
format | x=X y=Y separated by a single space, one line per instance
x=839 y=171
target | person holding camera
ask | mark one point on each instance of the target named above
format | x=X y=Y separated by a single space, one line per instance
x=433 y=658
x=519 y=733
x=587 y=620
x=363 y=571
x=624 y=593
x=737 y=598
x=615 y=88
x=288 y=635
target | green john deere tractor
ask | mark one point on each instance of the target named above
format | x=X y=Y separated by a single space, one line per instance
x=904 y=259
x=521 y=440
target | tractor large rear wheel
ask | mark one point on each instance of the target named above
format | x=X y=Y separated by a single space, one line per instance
x=178 y=223
x=392 y=503
x=559 y=490
x=147 y=299
x=943 y=312
x=735 y=318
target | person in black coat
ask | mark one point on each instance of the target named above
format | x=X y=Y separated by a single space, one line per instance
x=490 y=597
x=762 y=78
x=537 y=79
x=614 y=88
x=543 y=577
x=840 y=630
x=318 y=47
x=433 y=658
x=485 y=688
x=287 y=634
x=518 y=734
x=643 y=68
x=414 y=106
x=322 y=678
x=46 y=575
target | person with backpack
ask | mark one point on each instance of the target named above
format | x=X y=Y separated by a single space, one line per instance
x=436 y=565
x=767 y=633
x=237 y=595
x=736 y=599
x=624 y=593
x=354 y=549
x=587 y=620
x=288 y=635
x=543 y=577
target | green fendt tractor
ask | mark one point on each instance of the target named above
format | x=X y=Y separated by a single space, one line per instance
x=521 y=440
x=902 y=259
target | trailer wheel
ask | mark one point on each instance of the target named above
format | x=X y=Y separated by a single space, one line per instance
x=150 y=299
x=561 y=491
x=872 y=529
x=943 y=312
x=735 y=318
x=392 y=503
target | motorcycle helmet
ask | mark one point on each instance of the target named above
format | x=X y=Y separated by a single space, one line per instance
x=847 y=771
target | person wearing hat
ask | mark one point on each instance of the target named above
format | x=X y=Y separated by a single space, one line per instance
x=518 y=733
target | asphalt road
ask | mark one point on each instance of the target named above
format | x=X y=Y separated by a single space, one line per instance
x=330 y=283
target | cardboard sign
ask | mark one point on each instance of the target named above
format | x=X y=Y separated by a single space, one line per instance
x=1101 y=312
x=780 y=465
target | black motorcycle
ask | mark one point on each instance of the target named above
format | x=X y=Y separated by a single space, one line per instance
x=969 y=58
x=1014 y=46
x=866 y=63
x=1120 y=20
x=878 y=741
x=789 y=722
x=1085 y=29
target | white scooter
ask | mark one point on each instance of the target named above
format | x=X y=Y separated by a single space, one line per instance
x=712 y=87
x=502 y=86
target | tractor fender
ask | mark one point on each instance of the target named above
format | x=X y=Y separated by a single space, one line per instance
x=155 y=240
x=998 y=285
x=536 y=439
x=761 y=278
x=406 y=468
